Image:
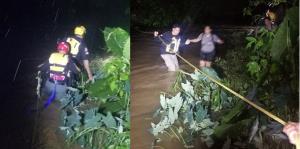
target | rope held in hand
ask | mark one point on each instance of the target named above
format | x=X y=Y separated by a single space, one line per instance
x=276 y=118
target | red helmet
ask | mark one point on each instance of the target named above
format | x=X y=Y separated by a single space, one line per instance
x=63 y=47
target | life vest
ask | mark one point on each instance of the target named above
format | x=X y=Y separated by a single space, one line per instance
x=74 y=45
x=173 y=47
x=58 y=63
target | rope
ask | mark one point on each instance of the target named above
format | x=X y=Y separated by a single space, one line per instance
x=279 y=120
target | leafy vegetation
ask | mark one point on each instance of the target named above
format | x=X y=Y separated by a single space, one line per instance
x=254 y=4
x=190 y=112
x=103 y=119
x=271 y=53
x=272 y=50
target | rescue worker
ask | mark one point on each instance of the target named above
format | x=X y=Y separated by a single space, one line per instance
x=59 y=68
x=171 y=41
x=79 y=50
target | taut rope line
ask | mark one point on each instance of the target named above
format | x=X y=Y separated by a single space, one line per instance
x=276 y=118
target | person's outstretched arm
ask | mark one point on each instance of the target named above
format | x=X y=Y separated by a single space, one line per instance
x=196 y=39
x=292 y=130
x=217 y=39
x=86 y=65
x=84 y=56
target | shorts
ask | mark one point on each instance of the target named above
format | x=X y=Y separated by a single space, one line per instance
x=207 y=56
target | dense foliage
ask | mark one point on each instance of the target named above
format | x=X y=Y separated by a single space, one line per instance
x=273 y=62
x=103 y=119
x=192 y=108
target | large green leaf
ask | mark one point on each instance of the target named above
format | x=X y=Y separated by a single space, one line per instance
x=99 y=90
x=234 y=112
x=73 y=120
x=253 y=67
x=109 y=121
x=231 y=129
x=200 y=114
x=117 y=41
x=114 y=106
x=93 y=121
x=291 y=24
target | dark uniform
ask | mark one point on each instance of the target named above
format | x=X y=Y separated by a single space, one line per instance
x=168 y=38
x=79 y=50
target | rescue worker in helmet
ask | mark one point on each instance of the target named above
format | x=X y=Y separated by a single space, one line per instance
x=59 y=68
x=79 y=50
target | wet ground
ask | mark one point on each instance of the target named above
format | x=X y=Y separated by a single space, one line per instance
x=150 y=77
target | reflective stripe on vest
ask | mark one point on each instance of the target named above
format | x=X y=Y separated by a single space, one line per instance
x=74 y=44
x=58 y=62
x=173 y=47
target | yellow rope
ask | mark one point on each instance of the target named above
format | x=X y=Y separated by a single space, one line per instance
x=236 y=94
x=297 y=142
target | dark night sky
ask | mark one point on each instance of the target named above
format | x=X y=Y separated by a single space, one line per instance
x=217 y=12
x=28 y=28
x=28 y=31
x=225 y=12
x=71 y=12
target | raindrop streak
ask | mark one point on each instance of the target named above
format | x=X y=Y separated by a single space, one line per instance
x=17 y=70
x=6 y=34
x=56 y=15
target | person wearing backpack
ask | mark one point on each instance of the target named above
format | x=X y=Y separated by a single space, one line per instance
x=207 y=52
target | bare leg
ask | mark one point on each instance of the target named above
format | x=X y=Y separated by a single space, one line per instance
x=202 y=63
x=208 y=63
x=168 y=62
x=175 y=62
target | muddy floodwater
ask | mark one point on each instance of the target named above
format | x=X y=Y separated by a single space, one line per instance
x=148 y=78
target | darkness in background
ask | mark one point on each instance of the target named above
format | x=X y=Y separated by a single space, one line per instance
x=29 y=30
x=216 y=12
x=31 y=24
